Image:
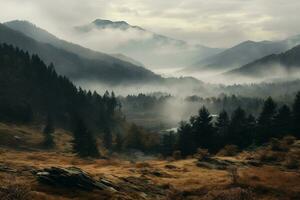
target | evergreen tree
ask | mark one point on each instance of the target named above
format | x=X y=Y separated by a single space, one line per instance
x=135 y=138
x=107 y=139
x=84 y=144
x=296 y=115
x=238 y=133
x=222 y=125
x=118 y=142
x=203 y=129
x=251 y=127
x=186 y=139
x=168 y=144
x=48 y=131
x=283 y=122
x=266 y=121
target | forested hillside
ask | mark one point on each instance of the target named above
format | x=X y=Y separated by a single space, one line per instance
x=240 y=128
x=31 y=90
x=278 y=64
x=80 y=63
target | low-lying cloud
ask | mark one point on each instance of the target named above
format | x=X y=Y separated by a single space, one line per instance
x=213 y=23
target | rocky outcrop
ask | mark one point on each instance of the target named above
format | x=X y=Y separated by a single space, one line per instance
x=72 y=177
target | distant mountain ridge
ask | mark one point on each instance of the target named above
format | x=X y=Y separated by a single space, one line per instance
x=44 y=36
x=283 y=63
x=150 y=48
x=122 y=25
x=243 y=54
x=103 y=23
x=83 y=65
x=78 y=63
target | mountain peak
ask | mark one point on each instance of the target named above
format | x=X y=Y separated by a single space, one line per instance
x=104 y=23
x=108 y=22
x=20 y=22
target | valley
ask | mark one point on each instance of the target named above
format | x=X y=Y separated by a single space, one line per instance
x=149 y=100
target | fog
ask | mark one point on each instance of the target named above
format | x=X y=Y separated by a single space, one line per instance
x=153 y=50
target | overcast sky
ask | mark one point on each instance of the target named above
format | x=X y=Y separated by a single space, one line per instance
x=218 y=23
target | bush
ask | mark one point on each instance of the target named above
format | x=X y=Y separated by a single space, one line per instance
x=177 y=155
x=289 y=140
x=202 y=154
x=292 y=161
x=277 y=145
x=229 y=150
x=270 y=156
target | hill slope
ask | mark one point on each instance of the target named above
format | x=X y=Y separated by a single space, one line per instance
x=243 y=54
x=78 y=63
x=29 y=91
x=152 y=49
x=284 y=63
x=42 y=35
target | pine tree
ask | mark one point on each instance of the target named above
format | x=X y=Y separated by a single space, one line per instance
x=135 y=138
x=48 y=131
x=222 y=125
x=84 y=144
x=107 y=139
x=186 y=139
x=296 y=115
x=238 y=133
x=251 y=127
x=168 y=144
x=119 y=142
x=203 y=129
x=283 y=122
x=266 y=121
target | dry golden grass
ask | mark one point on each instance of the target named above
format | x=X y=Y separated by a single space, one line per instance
x=187 y=180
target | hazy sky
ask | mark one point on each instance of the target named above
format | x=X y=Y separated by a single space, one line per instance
x=219 y=23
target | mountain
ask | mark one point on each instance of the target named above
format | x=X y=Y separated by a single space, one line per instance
x=127 y=59
x=72 y=60
x=243 y=54
x=152 y=49
x=287 y=63
x=30 y=91
x=42 y=35
x=103 y=24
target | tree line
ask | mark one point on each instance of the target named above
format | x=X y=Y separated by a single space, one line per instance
x=240 y=129
x=31 y=91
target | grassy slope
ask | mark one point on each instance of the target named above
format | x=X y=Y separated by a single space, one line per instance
x=24 y=154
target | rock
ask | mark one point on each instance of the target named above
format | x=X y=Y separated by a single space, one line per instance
x=212 y=163
x=4 y=168
x=155 y=172
x=254 y=163
x=71 y=177
x=170 y=167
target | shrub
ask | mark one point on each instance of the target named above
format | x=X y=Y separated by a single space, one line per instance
x=177 y=155
x=229 y=150
x=202 y=154
x=270 y=156
x=277 y=145
x=292 y=161
x=289 y=140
